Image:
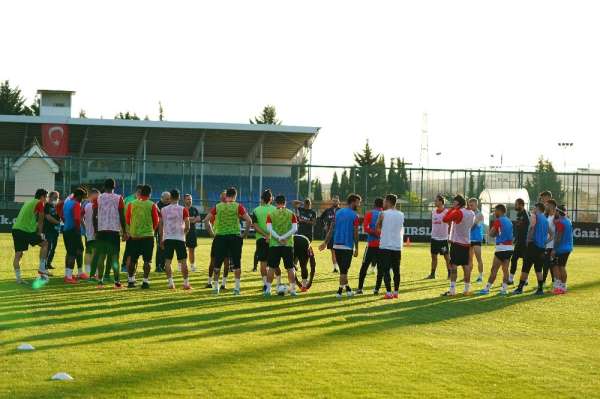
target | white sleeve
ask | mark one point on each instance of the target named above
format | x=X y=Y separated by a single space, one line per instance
x=272 y=232
x=291 y=232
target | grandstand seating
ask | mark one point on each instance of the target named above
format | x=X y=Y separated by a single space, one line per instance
x=213 y=185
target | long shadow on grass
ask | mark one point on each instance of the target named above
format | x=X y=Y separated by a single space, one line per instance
x=245 y=354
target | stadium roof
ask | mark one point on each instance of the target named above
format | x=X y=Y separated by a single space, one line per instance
x=119 y=137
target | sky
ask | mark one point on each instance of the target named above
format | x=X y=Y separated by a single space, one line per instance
x=509 y=79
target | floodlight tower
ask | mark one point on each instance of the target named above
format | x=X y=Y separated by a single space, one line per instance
x=424 y=156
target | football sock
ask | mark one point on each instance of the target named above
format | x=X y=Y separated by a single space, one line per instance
x=237 y=284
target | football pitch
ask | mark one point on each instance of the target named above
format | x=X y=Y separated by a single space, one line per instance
x=160 y=343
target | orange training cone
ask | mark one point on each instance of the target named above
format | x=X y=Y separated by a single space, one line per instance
x=408 y=241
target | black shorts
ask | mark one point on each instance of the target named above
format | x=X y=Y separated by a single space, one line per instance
x=143 y=247
x=228 y=246
x=534 y=257
x=262 y=250
x=276 y=254
x=191 y=239
x=212 y=249
x=503 y=255
x=175 y=247
x=73 y=242
x=561 y=259
x=371 y=256
x=302 y=249
x=344 y=259
x=108 y=242
x=439 y=247
x=459 y=255
x=22 y=240
x=475 y=243
x=519 y=251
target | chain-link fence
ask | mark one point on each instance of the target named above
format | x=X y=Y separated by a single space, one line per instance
x=416 y=187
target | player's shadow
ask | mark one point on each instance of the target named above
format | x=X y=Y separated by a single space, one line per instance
x=387 y=317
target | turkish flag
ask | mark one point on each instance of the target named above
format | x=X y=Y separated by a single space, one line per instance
x=55 y=139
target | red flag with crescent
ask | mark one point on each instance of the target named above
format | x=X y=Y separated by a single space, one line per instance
x=55 y=139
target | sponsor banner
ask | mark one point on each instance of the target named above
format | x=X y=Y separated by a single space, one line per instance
x=417 y=230
x=55 y=139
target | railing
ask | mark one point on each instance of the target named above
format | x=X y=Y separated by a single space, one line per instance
x=417 y=187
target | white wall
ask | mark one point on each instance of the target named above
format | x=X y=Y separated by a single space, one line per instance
x=33 y=174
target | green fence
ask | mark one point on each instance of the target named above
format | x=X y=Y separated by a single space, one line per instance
x=417 y=187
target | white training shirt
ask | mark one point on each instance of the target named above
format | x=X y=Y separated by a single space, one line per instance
x=439 y=229
x=551 y=230
x=392 y=230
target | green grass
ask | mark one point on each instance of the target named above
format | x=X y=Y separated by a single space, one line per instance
x=134 y=343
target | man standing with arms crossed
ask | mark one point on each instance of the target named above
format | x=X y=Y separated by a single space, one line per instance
x=327 y=218
x=520 y=238
x=191 y=239
x=461 y=221
x=439 y=236
x=142 y=220
x=228 y=240
x=51 y=226
x=371 y=256
x=165 y=199
x=391 y=226
x=343 y=234
x=109 y=222
x=173 y=226
x=537 y=238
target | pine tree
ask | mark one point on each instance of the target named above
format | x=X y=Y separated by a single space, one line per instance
x=378 y=187
x=344 y=185
x=335 y=185
x=366 y=175
x=317 y=190
x=480 y=184
x=544 y=178
x=393 y=177
x=471 y=187
x=403 y=185
x=268 y=116
x=12 y=102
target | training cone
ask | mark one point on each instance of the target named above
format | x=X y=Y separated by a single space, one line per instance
x=407 y=243
x=62 y=377
x=25 y=347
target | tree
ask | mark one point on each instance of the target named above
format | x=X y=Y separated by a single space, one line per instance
x=12 y=101
x=317 y=190
x=127 y=115
x=268 y=116
x=480 y=184
x=82 y=114
x=366 y=172
x=344 y=185
x=335 y=185
x=379 y=185
x=403 y=185
x=471 y=186
x=161 y=112
x=544 y=178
